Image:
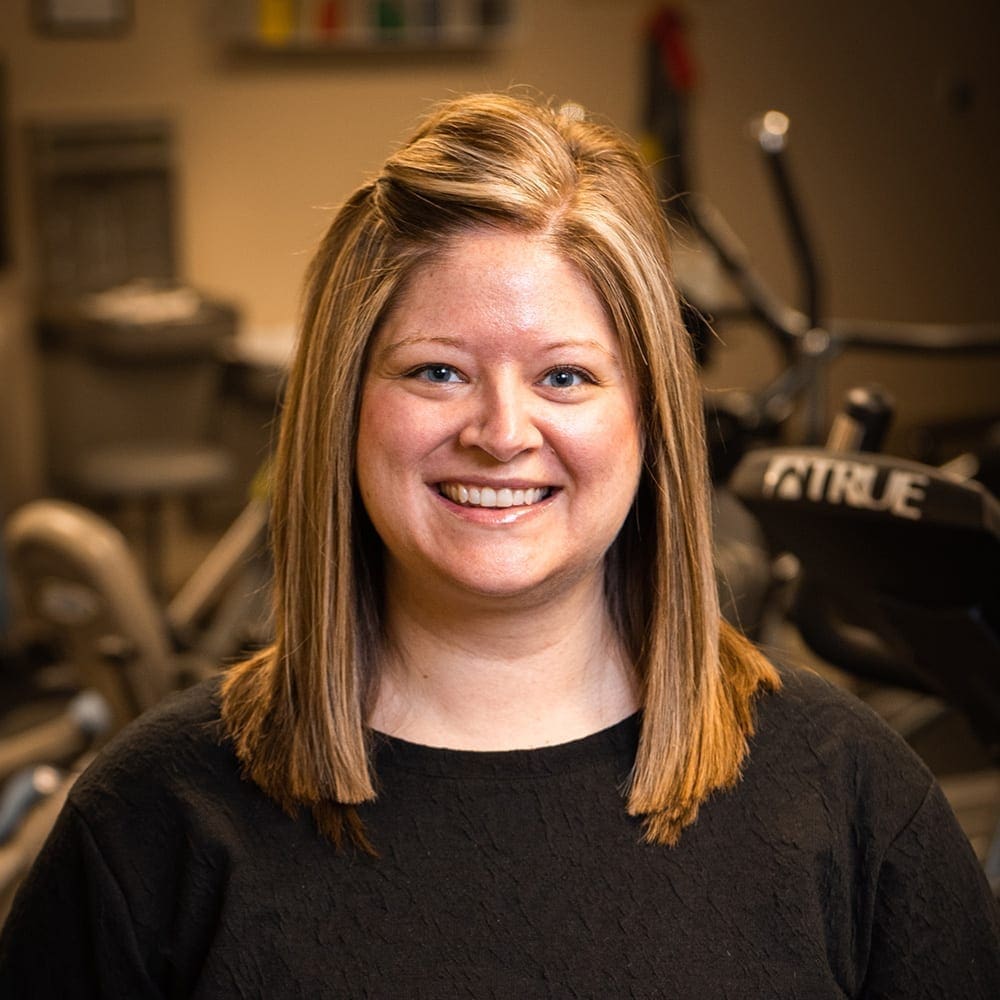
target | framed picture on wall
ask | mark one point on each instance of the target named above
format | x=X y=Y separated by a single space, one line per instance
x=82 y=17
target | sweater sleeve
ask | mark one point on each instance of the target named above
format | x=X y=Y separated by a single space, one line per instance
x=936 y=929
x=70 y=933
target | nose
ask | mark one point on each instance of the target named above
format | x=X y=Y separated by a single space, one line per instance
x=502 y=421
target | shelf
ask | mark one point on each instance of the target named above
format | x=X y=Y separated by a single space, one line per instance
x=360 y=26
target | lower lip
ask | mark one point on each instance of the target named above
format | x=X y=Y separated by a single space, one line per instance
x=494 y=516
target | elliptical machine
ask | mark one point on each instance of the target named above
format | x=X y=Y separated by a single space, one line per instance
x=886 y=568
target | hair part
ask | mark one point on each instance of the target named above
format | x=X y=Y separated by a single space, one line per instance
x=297 y=711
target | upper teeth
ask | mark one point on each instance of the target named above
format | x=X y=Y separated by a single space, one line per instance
x=486 y=496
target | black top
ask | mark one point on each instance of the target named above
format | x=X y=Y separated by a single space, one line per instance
x=835 y=868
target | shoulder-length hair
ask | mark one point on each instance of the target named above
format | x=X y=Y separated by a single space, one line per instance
x=297 y=711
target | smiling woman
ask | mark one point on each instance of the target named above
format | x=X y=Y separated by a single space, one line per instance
x=526 y=396
x=503 y=744
x=499 y=460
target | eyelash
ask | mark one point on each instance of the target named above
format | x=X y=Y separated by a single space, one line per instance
x=423 y=372
x=581 y=373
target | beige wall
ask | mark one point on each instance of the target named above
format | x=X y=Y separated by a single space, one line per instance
x=900 y=187
x=900 y=190
x=266 y=143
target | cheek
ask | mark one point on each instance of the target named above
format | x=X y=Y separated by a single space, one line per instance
x=624 y=432
x=393 y=434
x=377 y=461
x=608 y=447
x=375 y=446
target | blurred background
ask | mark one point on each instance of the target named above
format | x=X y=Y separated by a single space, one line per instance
x=273 y=115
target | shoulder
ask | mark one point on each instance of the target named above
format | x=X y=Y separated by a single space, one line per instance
x=813 y=733
x=176 y=750
x=167 y=795
x=829 y=721
x=827 y=780
x=149 y=832
x=185 y=722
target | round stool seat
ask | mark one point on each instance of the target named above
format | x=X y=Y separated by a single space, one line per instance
x=149 y=475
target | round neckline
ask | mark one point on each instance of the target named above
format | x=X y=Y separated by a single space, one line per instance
x=611 y=744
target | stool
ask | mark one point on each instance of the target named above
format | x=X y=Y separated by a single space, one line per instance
x=149 y=475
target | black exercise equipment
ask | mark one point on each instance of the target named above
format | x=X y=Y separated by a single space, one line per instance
x=899 y=568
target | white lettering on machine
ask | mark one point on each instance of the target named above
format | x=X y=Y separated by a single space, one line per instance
x=842 y=481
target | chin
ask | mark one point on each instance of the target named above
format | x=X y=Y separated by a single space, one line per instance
x=495 y=585
x=513 y=585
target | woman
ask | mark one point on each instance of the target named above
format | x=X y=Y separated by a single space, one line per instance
x=502 y=745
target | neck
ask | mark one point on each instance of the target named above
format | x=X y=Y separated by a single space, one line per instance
x=490 y=676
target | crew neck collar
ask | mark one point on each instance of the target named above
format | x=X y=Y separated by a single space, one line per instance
x=611 y=744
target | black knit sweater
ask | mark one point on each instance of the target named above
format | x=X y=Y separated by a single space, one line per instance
x=835 y=868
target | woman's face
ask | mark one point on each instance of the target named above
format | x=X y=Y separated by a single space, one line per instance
x=498 y=448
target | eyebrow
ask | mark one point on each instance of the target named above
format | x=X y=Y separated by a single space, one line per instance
x=461 y=344
x=397 y=345
x=562 y=344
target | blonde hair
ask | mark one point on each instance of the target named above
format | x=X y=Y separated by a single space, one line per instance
x=296 y=712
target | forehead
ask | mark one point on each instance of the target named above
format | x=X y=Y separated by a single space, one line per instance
x=490 y=283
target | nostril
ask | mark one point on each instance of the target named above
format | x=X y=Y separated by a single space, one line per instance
x=503 y=434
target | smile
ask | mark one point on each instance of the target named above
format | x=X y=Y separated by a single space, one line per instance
x=487 y=496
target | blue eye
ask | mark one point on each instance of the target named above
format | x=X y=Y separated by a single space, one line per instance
x=565 y=378
x=438 y=374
